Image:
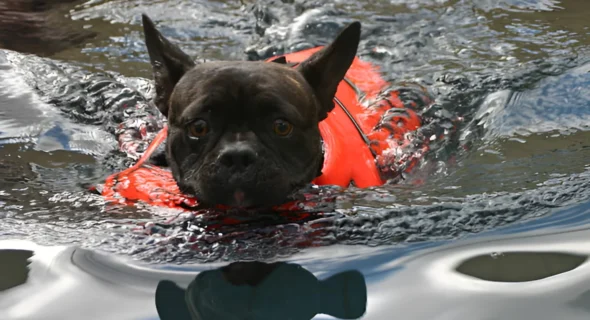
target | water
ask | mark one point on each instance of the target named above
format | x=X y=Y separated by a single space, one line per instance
x=513 y=273
x=513 y=179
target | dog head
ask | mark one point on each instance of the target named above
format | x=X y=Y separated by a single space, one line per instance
x=245 y=133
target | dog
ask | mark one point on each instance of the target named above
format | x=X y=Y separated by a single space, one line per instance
x=245 y=133
x=251 y=134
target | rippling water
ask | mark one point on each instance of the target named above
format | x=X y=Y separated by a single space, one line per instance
x=516 y=71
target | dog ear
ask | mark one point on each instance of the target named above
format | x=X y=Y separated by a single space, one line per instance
x=326 y=68
x=169 y=63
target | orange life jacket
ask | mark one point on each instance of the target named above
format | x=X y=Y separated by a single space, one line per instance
x=362 y=136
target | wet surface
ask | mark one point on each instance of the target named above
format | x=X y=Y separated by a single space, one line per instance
x=515 y=71
x=377 y=281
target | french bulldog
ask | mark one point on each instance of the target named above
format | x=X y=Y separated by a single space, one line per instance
x=245 y=133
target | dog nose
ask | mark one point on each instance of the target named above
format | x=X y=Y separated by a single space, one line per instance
x=240 y=157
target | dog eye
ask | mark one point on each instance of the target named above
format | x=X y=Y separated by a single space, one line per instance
x=198 y=129
x=282 y=127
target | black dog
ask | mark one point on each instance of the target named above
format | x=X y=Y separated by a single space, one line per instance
x=245 y=133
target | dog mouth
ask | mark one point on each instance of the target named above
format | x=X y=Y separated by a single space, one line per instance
x=242 y=197
x=236 y=199
x=254 y=188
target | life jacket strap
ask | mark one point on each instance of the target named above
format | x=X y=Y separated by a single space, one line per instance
x=359 y=93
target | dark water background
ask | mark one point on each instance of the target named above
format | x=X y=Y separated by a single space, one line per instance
x=516 y=71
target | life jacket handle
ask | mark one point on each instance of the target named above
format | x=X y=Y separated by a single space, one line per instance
x=158 y=139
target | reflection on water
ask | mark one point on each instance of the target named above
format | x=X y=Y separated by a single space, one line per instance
x=520 y=266
x=257 y=290
x=542 y=274
x=13 y=268
x=66 y=282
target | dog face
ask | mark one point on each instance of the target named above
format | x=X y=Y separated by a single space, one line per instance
x=245 y=133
